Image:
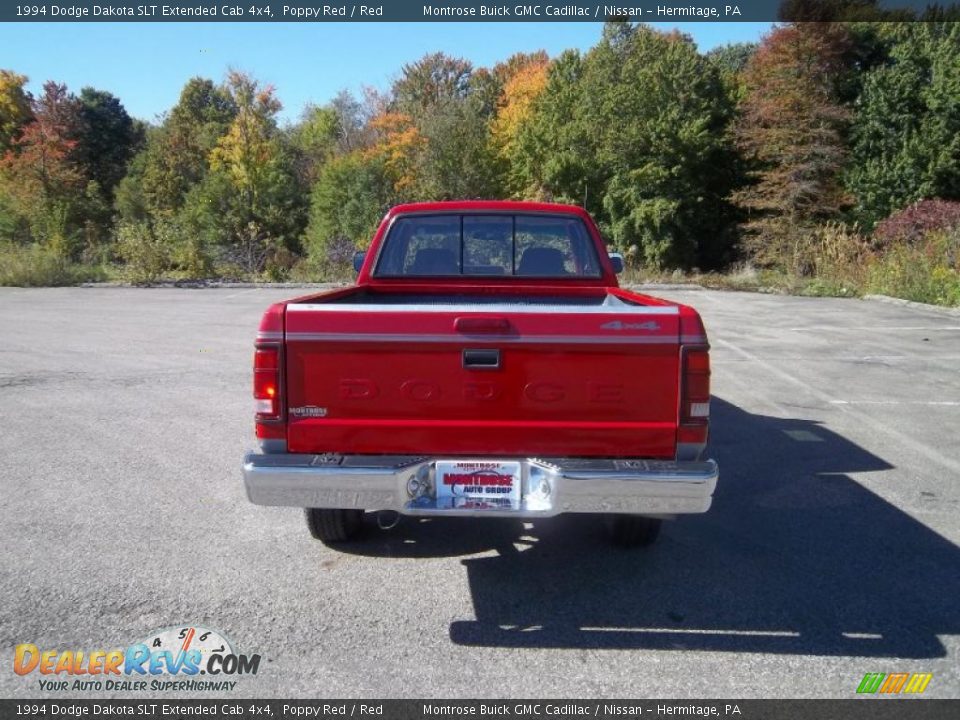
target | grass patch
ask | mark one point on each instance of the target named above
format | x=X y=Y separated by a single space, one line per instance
x=35 y=266
x=924 y=273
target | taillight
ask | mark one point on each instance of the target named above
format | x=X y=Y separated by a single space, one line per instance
x=695 y=387
x=266 y=383
x=694 y=376
x=694 y=415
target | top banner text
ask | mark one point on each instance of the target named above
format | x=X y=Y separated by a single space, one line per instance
x=478 y=11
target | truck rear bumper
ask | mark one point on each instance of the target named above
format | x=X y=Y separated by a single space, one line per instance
x=550 y=485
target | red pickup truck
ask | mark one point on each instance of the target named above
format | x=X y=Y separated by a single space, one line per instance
x=485 y=363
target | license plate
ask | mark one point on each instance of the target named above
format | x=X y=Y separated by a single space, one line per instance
x=478 y=484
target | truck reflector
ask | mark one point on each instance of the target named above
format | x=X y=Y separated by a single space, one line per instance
x=698 y=410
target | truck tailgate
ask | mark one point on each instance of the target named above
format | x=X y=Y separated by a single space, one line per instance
x=457 y=379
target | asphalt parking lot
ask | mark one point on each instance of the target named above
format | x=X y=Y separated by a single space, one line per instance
x=831 y=550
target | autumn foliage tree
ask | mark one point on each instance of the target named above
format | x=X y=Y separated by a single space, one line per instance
x=431 y=80
x=249 y=148
x=447 y=106
x=791 y=129
x=369 y=167
x=219 y=175
x=525 y=77
x=40 y=172
x=15 y=109
x=263 y=207
x=397 y=140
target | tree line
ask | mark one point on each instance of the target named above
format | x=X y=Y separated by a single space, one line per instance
x=761 y=153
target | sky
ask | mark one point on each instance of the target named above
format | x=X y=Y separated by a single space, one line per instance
x=146 y=64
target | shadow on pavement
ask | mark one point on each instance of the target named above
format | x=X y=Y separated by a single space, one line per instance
x=794 y=557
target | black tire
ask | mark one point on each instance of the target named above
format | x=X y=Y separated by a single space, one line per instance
x=634 y=530
x=334 y=525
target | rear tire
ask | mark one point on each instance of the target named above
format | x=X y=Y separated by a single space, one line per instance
x=634 y=530
x=334 y=525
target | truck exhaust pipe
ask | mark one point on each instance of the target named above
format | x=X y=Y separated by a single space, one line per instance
x=388 y=519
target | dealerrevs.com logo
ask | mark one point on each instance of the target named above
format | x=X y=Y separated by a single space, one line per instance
x=166 y=660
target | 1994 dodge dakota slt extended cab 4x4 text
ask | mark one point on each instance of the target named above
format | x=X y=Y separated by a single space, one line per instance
x=486 y=363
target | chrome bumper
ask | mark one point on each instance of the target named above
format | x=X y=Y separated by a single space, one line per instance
x=550 y=485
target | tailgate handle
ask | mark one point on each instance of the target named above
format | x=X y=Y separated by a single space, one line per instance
x=477 y=359
x=481 y=324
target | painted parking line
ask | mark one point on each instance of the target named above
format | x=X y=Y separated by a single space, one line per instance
x=875 y=328
x=238 y=294
x=926 y=403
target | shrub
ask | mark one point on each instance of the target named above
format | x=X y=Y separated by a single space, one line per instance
x=331 y=262
x=914 y=223
x=279 y=262
x=340 y=251
x=190 y=257
x=310 y=270
x=145 y=249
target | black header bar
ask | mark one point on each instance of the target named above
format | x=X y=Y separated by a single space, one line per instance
x=477 y=11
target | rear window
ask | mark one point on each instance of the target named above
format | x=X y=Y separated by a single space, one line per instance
x=488 y=245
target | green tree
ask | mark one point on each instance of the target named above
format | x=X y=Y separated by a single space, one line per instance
x=130 y=200
x=456 y=159
x=552 y=152
x=108 y=141
x=348 y=200
x=906 y=134
x=315 y=140
x=732 y=58
x=177 y=153
x=635 y=131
